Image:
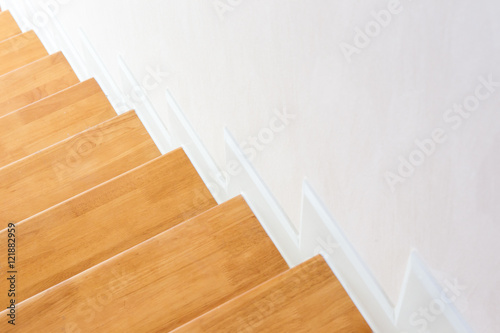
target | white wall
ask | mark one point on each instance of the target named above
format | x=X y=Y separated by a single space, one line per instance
x=352 y=120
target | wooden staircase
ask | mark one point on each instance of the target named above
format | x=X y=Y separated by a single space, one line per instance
x=99 y=232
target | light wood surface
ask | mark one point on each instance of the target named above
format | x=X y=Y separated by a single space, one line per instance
x=72 y=166
x=8 y=26
x=52 y=119
x=104 y=221
x=162 y=283
x=19 y=51
x=35 y=81
x=113 y=237
x=307 y=298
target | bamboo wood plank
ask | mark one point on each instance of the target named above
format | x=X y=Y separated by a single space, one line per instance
x=72 y=166
x=307 y=298
x=19 y=51
x=8 y=26
x=162 y=283
x=35 y=81
x=104 y=221
x=52 y=119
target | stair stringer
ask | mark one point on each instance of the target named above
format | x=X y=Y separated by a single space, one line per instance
x=318 y=232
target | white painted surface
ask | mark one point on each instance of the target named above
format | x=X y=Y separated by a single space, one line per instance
x=352 y=120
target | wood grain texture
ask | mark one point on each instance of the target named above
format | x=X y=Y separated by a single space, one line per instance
x=162 y=283
x=72 y=166
x=307 y=298
x=19 y=51
x=35 y=81
x=104 y=221
x=8 y=26
x=52 y=119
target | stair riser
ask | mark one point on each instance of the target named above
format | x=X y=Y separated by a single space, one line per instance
x=73 y=166
x=181 y=274
x=8 y=27
x=307 y=298
x=20 y=51
x=35 y=81
x=51 y=120
x=108 y=219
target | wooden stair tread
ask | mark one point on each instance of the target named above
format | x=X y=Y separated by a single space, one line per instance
x=8 y=26
x=104 y=221
x=52 y=119
x=35 y=81
x=19 y=51
x=72 y=166
x=307 y=298
x=162 y=283
x=113 y=237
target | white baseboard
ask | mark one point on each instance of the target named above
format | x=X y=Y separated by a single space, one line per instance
x=424 y=305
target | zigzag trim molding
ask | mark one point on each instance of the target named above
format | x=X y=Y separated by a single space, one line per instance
x=423 y=305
